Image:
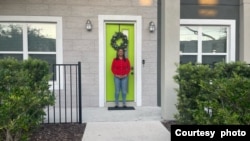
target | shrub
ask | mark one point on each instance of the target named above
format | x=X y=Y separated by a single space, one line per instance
x=24 y=93
x=218 y=95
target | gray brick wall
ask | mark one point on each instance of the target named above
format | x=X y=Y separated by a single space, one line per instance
x=81 y=45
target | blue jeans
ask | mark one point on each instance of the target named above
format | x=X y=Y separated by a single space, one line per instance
x=121 y=84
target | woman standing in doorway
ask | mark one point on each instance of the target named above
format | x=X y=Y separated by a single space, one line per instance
x=120 y=68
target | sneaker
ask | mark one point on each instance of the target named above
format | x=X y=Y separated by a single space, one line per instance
x=116 y=106
x=124 y=106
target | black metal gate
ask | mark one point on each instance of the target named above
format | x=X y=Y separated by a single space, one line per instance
x=66 y=87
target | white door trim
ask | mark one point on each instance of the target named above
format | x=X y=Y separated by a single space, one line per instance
x=136 y=20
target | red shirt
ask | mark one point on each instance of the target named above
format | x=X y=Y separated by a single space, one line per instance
x=120 y=67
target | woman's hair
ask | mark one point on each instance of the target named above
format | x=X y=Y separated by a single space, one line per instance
x=123 y=56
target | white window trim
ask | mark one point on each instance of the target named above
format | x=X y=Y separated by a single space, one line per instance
x=231 y=34
x=59 y=44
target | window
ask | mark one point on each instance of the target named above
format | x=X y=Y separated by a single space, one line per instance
x=23 y=40
x=37 y=37
x=207 y=41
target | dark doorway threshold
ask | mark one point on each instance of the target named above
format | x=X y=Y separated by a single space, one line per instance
x=121 y=108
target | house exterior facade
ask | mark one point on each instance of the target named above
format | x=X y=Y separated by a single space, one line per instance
x=55 y=30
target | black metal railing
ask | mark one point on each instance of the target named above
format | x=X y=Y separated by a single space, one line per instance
x=66 y=87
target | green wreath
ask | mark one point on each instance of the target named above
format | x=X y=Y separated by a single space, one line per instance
x=116 y=37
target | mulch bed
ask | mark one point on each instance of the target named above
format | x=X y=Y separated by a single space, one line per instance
x=168 y=124
x=69 y=131
x=59 y=132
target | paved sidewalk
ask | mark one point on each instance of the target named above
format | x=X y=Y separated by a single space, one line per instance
x=105 y=115
x=141 y=124
x=126 y=131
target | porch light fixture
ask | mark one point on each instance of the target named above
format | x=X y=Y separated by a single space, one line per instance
x=88 y=25
x=151 y=26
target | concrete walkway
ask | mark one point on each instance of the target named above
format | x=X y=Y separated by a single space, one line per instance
x=126 y=131
x=141 y=124
x=145 y=113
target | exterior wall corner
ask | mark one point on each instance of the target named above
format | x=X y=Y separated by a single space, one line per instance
x=169 y=56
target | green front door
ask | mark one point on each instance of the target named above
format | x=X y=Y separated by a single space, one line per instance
x=127 y=29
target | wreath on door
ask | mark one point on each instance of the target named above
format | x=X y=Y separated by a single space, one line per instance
x=116 y=37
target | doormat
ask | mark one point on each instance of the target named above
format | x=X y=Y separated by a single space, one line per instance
x=121 y=108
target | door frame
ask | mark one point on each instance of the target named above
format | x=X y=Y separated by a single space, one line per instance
x=136 y=20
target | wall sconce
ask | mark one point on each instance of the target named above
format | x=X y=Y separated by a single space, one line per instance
x=88 y=25
x=151 y=26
